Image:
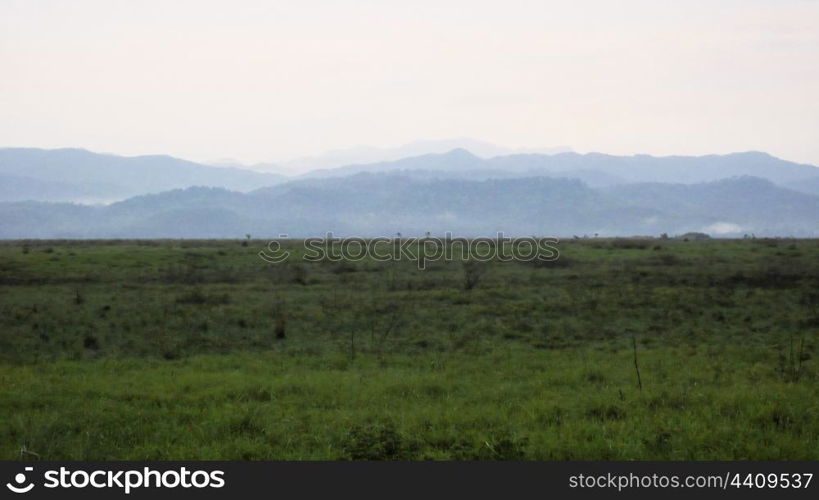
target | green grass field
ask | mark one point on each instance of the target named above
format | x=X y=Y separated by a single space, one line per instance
x=201 y=350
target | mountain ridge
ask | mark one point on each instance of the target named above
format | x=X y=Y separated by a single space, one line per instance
x=104 y=177
x=72 y=174
x=383 y=204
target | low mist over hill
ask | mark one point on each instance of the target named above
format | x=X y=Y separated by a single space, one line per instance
x=563 y=194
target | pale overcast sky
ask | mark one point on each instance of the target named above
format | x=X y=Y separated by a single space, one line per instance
x=266 y=80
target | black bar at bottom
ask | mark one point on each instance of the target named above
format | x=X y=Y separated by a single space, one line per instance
x=452 y=480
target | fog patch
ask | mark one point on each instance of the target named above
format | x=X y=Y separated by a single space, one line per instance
x=723 y=228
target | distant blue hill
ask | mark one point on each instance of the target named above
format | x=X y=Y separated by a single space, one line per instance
x=82 y=176
x=384 y=204
x=596 y=169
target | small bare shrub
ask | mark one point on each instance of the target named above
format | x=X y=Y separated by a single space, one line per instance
x=299 y=274
x=281 y=327
x=473 y=272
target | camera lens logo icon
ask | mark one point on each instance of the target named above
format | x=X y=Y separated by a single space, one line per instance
x=20 y=478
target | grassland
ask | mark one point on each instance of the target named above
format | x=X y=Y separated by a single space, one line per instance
x=200 y=350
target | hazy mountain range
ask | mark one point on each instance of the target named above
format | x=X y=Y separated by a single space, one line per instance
x=82 y=176
x=368 y=154
x=559 y=194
